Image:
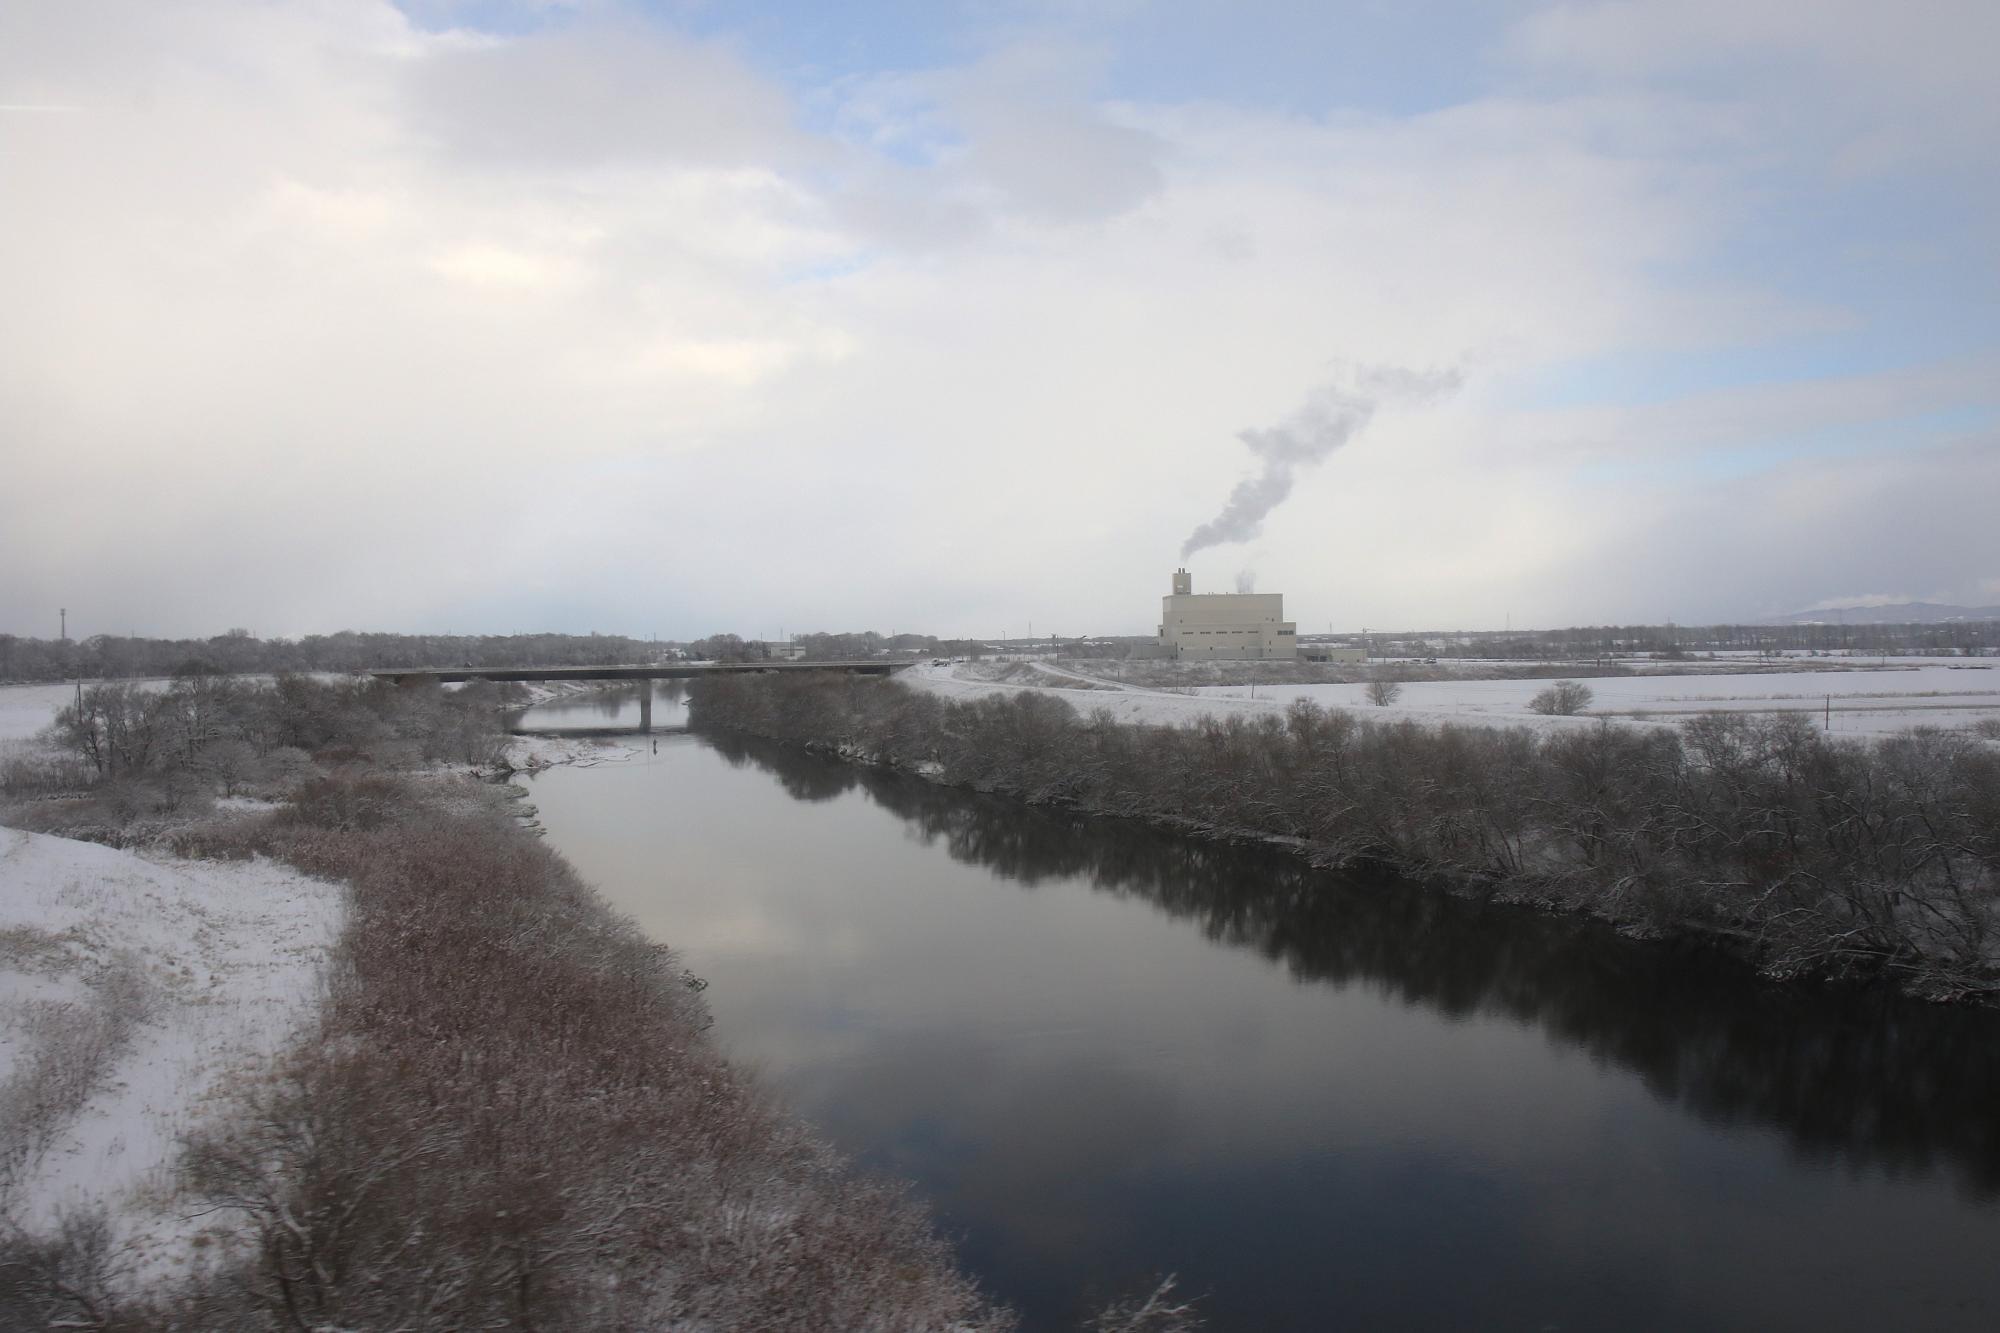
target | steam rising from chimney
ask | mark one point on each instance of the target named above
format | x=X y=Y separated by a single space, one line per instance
x=1331 y=417
x=1246 y=580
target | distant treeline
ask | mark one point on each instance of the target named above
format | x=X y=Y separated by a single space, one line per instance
x=1820 y=857
x=836 y=647
x=113 y=656
x=1916 y=639
x=109 y=656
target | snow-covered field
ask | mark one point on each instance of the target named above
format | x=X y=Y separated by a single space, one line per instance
x=26 y=709
x=135 y=992
x=1896 y=695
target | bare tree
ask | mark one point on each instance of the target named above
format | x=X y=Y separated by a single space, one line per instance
x=1384 y=690
x=1565 y=698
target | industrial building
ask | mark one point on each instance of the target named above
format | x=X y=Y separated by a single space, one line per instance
x=1234 y=625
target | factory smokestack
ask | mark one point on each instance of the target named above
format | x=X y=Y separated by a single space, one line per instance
x=1331 y=417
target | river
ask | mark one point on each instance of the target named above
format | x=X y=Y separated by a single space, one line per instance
x=1103 y=1052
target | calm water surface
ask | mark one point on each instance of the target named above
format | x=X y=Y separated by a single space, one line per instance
x=1103 y=1052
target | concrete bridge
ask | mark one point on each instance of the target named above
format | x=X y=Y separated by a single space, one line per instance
x=650 y=671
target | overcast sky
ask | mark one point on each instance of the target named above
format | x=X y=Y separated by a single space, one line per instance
x=674 y=318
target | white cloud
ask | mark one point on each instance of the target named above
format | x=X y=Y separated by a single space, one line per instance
x=595 y=94
x=1787 y=412
x=315 y=318
x=482 y=264
x=1892 y=85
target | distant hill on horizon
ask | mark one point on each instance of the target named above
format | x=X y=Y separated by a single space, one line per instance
x=1894 y=613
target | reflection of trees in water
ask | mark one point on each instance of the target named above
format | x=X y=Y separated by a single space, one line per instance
x=609 y=704
x=1846 y=1075
x=818 y=780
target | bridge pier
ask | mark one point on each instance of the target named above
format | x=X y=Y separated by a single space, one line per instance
x=645 y=705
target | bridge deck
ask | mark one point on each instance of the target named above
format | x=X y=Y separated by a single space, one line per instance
x=650 y=671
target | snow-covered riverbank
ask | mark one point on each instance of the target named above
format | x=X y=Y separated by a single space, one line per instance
x=136 y=992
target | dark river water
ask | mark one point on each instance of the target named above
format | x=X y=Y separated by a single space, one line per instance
x=1102 y=1052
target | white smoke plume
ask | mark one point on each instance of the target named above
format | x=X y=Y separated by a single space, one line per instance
x=1333 y=415
x=1246 y=580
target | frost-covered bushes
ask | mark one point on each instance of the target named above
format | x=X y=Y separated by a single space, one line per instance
x=233 y=736
x=1823 y=857
x=29 y=773
x=510 y=1118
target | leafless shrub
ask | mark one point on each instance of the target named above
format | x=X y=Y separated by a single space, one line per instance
x=65 y=1280
x=1384 y=690
x=229 y=762
x=357 y=804
x=230 y=836
x=1565 y=698
x=1159 y=1311
x=31 y=773
x=281 y=772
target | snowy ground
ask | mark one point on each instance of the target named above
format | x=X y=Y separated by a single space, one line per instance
x=135 y=992
x=1894 y=695
x=527 y=753
x=26 y=709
